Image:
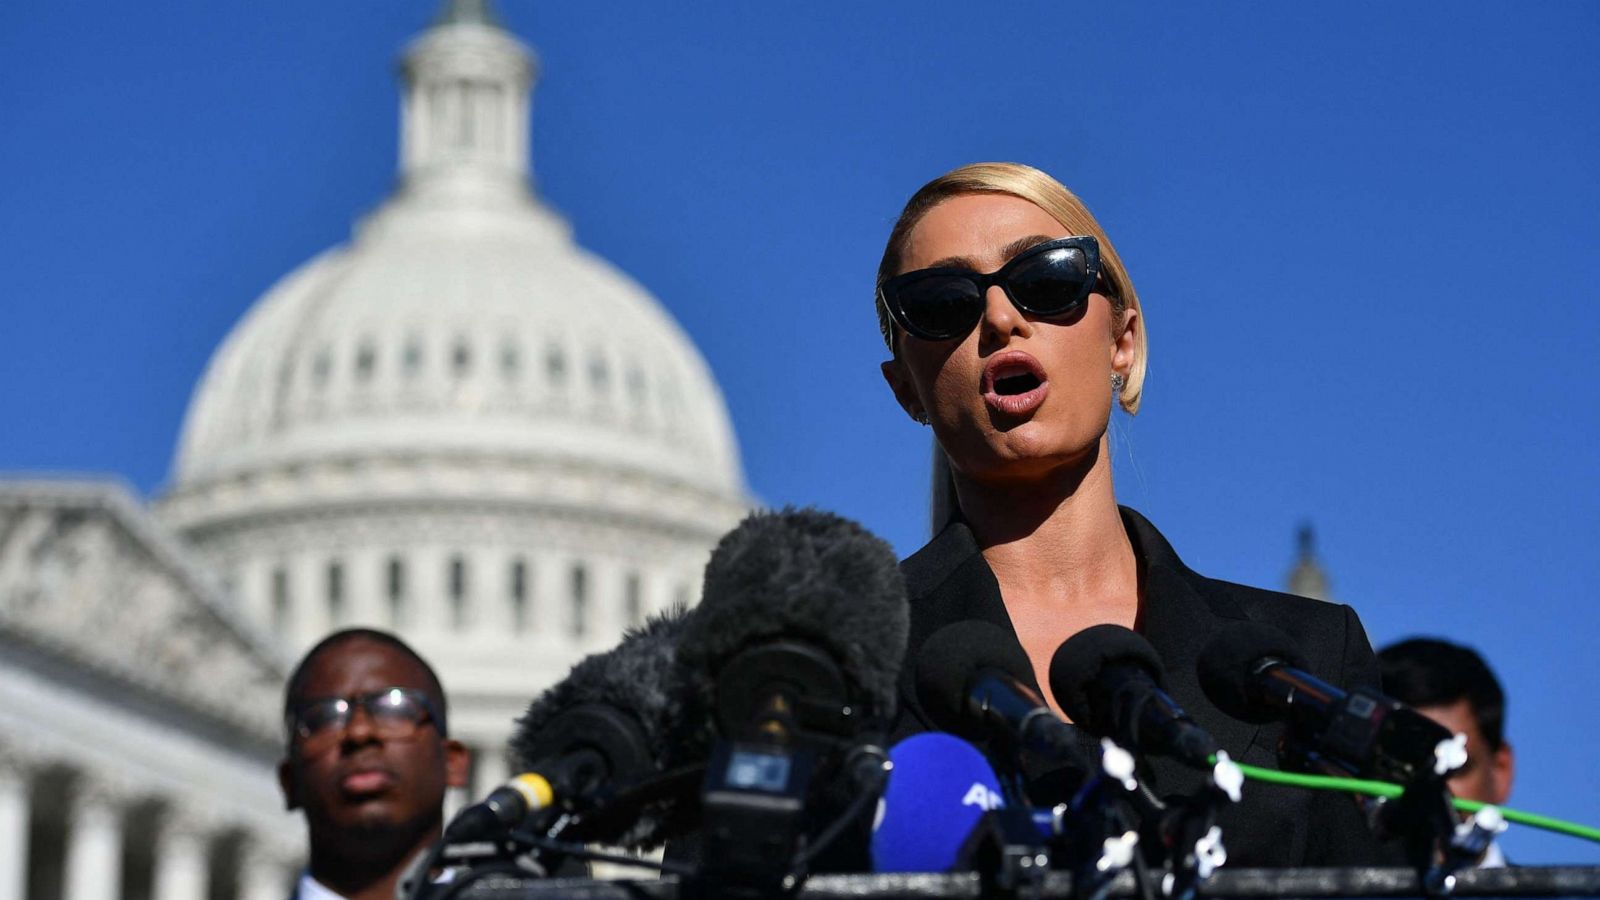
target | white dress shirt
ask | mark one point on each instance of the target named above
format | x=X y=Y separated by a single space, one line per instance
x=311 y=889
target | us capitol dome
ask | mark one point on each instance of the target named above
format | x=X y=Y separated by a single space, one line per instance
x=460 y=426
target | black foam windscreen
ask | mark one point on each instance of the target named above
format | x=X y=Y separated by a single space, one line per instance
x=1080 y=659
x=1229 y=662
x=629 y=697
x=635 y=677
x=949 y=660
x=809 y=577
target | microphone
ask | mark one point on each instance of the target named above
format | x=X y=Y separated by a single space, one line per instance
x=504 y=809
x=793 y=657
x=1255 y=672
x=973 y=680
x=804 y=605
x=601 y=728
x=939 y=787
x=1111 y=681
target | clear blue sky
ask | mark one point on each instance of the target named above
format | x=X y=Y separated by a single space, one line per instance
x=1365 y=236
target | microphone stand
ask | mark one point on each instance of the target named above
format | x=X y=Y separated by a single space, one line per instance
x=758 y=809
x=1189 y=831
x=1438 y=844
x=791 y=739
x=1013 y=846
x=1101 y=825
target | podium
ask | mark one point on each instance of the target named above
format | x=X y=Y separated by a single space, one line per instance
x=1521 y=881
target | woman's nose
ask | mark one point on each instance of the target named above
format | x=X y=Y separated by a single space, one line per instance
x=1001 y=318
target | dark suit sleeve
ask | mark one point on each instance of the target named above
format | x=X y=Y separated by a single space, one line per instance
x=1347 y=840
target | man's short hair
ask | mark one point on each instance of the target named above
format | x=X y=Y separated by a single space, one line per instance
x=297 y=678
x=1432 y=672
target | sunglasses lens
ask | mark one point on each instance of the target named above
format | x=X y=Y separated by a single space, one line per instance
x=1051 y=283
x=395 y=713
x=318 y=724
x=940 y=306
x=390 y=714
x=322 y=716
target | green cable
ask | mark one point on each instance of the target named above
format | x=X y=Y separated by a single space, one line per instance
x=1385 y=789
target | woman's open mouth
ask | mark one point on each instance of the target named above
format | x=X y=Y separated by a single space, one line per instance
x=1014 y=383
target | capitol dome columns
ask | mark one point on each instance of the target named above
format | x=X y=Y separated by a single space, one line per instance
x=94 y=839
x=364 y=575
x=181 y=870
x=106 y=835
x=266 y=870
x=16 y=794
x=466 y=101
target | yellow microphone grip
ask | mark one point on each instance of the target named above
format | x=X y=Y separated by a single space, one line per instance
x=535 y=789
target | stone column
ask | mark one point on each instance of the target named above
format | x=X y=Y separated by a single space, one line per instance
x=308 y=617
x=265 y=870
x=551 y=599
x=605 y=601
x=252 y=593
x=427 y=591
x=489 y=592
x=94 y=842
x=15 y=796
x=312 y=582
x=180 y=858
x=366 y=578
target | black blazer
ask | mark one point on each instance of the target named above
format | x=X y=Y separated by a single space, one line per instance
x=948 y=581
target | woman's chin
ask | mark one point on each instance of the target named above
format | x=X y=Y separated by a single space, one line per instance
x=1026 y=454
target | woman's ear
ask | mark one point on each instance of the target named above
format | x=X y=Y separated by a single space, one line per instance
x=894 y=372
x=1125 y=343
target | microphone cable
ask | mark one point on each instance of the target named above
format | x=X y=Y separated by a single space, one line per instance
x=645 y=792
x=1391 y=791
x=584 y=852
x=469 y=875
x=877 y=769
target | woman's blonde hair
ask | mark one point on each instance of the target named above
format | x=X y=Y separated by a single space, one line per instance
x=1042 y=191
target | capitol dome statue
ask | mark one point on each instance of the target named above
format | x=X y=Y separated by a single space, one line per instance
x=460 y=426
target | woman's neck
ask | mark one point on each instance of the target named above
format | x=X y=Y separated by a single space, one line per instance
x=1057 y=541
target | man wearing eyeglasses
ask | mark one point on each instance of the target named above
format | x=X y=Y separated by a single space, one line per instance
x=1453 y=686
x=368 y=761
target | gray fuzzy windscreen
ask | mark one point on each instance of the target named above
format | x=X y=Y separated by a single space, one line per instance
x=808 y=575
x=637 y=676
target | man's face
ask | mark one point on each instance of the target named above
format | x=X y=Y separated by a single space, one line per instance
x=361 y=782
x=1487 y=774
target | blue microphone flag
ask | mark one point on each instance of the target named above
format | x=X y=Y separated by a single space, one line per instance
x=938 y=788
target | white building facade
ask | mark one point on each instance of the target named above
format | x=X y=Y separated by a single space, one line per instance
x=139 y=712
x=460 y=427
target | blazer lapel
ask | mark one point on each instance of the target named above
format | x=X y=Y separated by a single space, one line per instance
x=1181 y=612
x=947 y=581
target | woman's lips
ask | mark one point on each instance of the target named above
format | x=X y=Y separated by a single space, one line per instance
x=1011 y=364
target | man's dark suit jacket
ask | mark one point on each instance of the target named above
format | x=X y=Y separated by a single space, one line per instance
x=949 y=581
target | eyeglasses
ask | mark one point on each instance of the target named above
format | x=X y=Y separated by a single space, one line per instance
x=1050 y=280
x=395 y=713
